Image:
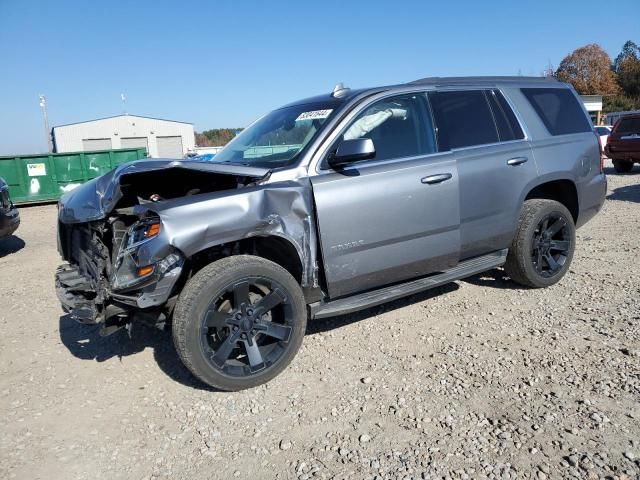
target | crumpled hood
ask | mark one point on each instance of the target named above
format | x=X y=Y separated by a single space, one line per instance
x=94 y=199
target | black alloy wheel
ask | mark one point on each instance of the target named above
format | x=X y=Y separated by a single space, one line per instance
x=247 y=327
x=239 y=322
x=543 y=246
x=551 y=245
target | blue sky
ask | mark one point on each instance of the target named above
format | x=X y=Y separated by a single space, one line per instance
x=221 y=64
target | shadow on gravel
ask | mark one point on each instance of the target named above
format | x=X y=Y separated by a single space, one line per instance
x=612 y=171
x=495 y=278
x=84 y=342
x=331 y=323
x=629 y=193
x=10 y=245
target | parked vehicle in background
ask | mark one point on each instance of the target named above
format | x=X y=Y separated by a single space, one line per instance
x=612 y=117
x=9 y=216
x=331 y=205
x=623 y=145
x=603 y=132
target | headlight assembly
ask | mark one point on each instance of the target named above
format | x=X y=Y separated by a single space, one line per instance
x=142 y=231
x=129 y=270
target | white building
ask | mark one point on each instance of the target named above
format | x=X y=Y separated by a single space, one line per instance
x=593 y=104
x=161 y=138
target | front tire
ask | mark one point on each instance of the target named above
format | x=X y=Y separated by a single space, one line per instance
x=543 y=247
x=239 y=322
x=622 y=166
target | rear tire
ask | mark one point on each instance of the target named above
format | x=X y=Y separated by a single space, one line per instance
x=622 y=166
x=543 y=247
x=239 y=322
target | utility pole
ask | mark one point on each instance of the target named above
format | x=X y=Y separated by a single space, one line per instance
x=43 y=105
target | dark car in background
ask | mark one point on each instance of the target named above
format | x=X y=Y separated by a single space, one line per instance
x=623 y=144
x=9 y=216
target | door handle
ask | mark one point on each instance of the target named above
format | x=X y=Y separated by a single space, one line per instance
x=438 y=178
x=517 y=161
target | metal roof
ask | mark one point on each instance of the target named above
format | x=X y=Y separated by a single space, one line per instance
x=121 y=115
x=480 y=80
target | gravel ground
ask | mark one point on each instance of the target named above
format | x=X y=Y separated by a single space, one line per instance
x=478 y=379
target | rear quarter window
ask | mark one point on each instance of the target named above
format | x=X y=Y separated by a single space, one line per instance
x=558 y=109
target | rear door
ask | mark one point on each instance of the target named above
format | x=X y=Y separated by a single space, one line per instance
x=494 y=162
x=394 y=217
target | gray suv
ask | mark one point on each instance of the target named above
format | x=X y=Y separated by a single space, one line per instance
x=330 y=205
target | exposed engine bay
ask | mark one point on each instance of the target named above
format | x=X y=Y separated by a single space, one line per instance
x=130 y=238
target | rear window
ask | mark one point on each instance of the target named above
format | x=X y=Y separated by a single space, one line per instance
x=558 y=109
x=628 y=125
x=463 y=119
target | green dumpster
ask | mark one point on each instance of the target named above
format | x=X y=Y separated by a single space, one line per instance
x=45 y=177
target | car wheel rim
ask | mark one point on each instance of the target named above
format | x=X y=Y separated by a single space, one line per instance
x=247 y=327
x=551 y=245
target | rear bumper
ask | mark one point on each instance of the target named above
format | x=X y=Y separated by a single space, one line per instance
x=633 y=155
x=9 y=222
x=591 y=197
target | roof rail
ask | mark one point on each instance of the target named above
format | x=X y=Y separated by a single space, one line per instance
x=468 y=80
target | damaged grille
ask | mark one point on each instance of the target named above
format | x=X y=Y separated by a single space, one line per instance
x=80 y=284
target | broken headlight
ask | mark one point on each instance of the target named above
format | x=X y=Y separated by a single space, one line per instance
x=142 y=231
x=129 y=270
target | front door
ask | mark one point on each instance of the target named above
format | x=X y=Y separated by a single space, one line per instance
x=393 y=217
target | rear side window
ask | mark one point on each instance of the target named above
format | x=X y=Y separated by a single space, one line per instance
x=463 y=119
x=508 y=126
x=628 y=125
x=558 y=109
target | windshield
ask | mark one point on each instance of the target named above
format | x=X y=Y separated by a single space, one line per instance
x=276 y=139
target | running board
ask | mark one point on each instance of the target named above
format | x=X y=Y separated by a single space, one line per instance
x=386 y=294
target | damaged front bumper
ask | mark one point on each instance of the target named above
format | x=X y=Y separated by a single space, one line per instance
x=91 y=304
x=95 y=288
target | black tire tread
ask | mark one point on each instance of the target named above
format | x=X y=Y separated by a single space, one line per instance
x=516 y=266
x=193 y=288
x=623 y=166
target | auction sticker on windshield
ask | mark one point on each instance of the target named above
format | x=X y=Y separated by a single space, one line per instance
x=314 y=115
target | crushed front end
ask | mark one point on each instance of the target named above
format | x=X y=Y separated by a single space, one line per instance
x=125 y=237
x=116 y=269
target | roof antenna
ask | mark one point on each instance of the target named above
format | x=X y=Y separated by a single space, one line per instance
x=339 y=90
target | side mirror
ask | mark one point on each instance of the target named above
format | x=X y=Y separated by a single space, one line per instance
x=352 y=151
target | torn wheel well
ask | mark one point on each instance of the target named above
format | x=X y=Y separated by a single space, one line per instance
x=276 y=249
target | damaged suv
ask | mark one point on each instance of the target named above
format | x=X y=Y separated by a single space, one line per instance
x=331 y=205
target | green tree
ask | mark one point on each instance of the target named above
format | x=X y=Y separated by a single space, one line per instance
x=627 y=67
x=629 y=50
x=216 y=137
x=588 y=69
x=619 y=103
